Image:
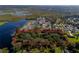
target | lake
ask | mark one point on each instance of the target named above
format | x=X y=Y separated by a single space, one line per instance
x=7 y=30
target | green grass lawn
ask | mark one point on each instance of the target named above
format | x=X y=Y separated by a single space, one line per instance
x=58 y=50
x=1 y=23
x=73 y=40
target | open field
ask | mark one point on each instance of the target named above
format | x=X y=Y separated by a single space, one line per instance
x=9 y=18
x=34 y=15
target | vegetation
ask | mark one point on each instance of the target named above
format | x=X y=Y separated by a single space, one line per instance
x=5 y=18
x=1 y=23
x=39 y=42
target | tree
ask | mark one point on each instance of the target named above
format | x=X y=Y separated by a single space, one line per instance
x=55 y=36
